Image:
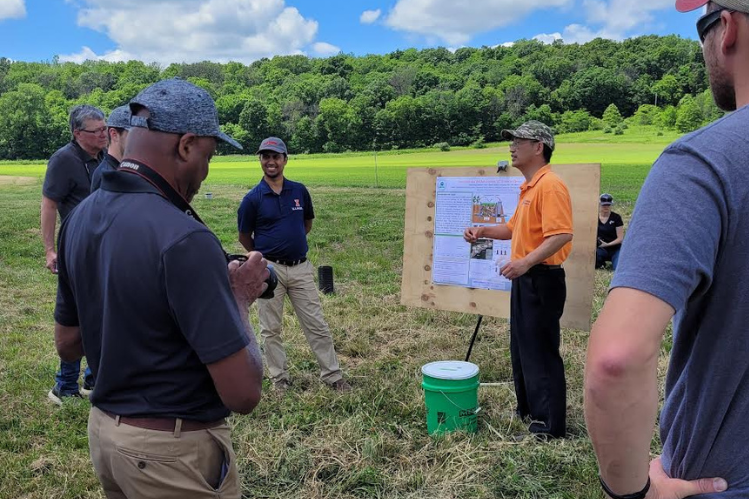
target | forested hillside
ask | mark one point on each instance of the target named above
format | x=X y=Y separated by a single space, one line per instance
x=408 y=98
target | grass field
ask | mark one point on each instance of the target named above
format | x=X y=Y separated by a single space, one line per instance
x=313 y=443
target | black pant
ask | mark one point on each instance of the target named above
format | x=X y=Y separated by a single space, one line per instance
x=537 y=303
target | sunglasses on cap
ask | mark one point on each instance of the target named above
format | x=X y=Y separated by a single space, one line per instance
x=707 y=22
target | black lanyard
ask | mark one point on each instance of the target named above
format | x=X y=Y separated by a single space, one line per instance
x=174 y=197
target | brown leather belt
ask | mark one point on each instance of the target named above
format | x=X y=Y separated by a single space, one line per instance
x=166 y=424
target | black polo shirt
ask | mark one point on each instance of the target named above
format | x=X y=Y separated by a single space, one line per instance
x=109 y=164
x=607 y=231
x=149 y=288
x=277 y=220
x=68 y=177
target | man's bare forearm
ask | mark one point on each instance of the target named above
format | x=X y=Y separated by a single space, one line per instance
x=48 y=222
x=500 y=231
x=621 y=390
x=551 y=245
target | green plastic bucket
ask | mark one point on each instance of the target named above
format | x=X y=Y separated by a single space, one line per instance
x=451 y=395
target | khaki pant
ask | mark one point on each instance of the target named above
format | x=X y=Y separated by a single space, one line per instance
x=298 y=283
x=138 y=463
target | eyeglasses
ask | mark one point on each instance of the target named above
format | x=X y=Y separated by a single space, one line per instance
x=707 y=22
x=517 y=142
x=98 y=131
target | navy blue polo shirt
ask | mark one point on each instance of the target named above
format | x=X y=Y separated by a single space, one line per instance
x=277 y=220
x=109 y=164
x=149 y=288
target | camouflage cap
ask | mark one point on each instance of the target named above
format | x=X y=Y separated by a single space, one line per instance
x=533 y=130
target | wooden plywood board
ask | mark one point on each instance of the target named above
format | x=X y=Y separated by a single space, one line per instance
x=417 y=289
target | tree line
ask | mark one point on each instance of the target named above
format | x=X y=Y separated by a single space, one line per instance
x=407 y=98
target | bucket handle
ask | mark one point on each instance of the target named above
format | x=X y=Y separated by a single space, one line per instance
x=476 y=411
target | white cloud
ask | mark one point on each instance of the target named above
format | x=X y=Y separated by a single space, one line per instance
x=12 y=9
x=614 y=19
x=369 y=16
x=548 y=38
x=455 y=22
x=574 y=33
x=167 y=31
x=620 y=17
x=325 y=49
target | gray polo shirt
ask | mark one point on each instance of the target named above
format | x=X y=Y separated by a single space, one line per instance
x=68 y=177
x=687 y=245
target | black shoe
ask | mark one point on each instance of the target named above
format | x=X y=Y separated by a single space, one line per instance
x=542 y=432
x=56 y=397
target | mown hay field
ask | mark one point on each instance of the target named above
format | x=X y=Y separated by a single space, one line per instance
x=311 y=442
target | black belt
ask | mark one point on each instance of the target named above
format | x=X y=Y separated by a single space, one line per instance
x=288 y=263
x=543 y=266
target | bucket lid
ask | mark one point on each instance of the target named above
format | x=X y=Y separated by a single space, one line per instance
x=450 y=369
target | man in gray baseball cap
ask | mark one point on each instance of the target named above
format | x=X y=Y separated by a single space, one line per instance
x=118 y=125
x=178 y=106
x=693 y=272
x=144 y=287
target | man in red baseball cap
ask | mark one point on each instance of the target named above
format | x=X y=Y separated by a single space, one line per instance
x=694 y=271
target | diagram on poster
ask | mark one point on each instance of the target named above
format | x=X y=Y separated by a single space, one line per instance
x=469 y=201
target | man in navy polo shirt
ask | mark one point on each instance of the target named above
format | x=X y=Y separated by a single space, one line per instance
x=274 y=219
x=66 y=183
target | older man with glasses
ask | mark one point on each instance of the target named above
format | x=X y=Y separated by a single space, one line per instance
x=66 y=183
x=695 y=271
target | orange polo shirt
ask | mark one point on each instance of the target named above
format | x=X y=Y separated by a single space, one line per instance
x=544 y=209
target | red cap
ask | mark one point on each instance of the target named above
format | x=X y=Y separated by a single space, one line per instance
x=687 y=5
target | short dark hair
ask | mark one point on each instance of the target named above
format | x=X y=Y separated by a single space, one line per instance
x=547 y=153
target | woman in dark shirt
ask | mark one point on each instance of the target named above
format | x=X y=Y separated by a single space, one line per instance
x=610 y=233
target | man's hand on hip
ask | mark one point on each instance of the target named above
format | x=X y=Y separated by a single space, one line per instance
x=248 y=278
x=663 y=487
x=515 y=269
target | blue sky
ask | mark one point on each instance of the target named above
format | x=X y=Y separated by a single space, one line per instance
x=168 y=31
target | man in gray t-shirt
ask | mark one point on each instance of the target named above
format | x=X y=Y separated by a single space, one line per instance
x=685 y=256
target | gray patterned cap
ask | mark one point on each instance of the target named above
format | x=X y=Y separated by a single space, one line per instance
x=178 y=106
x=119 y=118
x=533 y=130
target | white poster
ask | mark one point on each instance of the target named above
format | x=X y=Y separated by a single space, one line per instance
x=472 y=201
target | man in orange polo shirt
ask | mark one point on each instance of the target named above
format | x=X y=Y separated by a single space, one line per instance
x=541 y=233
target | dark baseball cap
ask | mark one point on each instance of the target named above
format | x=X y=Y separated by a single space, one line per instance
x=606 y=199
x=120 y=118
x=272 y=144
x=178 y=106
x=688 y=5
x=532 y=130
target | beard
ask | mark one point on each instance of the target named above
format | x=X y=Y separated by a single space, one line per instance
x=724 y=92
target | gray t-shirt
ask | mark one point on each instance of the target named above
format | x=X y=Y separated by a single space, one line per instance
x=688 y=244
